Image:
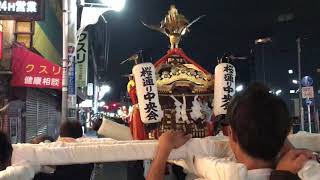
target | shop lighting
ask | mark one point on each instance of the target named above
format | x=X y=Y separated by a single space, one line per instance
x=294 y=81
x=101 y=104
x=278 y=92
x=239 y=88
x=263 y=40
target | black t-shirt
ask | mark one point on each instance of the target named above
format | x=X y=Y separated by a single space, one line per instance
x=283 y=175
x=68 y=172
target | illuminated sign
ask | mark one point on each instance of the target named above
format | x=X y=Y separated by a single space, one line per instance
x=21 y=9
x=32 y=70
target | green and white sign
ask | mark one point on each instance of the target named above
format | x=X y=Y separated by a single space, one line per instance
x=82 y=60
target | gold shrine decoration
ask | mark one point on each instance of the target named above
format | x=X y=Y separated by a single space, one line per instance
x=174 y=26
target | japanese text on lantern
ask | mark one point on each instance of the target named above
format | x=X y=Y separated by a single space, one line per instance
x=228 y=89
x=150 y=108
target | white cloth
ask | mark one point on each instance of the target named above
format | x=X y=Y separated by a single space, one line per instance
x=107 y=150
x=306 y=140
x=259 y=174
x=87 y=150
x=310 y=171
x=114 y=130
x=19 y=171
x=212 y=168
x=207 y=151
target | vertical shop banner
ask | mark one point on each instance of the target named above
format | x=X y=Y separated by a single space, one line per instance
x=72 y=98
x=31 y=70
x=82 y=60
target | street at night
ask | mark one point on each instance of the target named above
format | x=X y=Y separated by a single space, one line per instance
x=162 y=89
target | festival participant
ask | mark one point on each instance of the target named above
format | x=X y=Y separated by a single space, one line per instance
x=19 y=171
x=44 y=169
x=290 y=164
x=259 y=125
x=69 y=132
x=167 y=141
x=5 y=151
x=42 y=139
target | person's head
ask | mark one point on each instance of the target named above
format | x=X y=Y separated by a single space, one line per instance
x=5 y=151
x=42 y=138
x=71 y=129
x=97 y=124
x=259 y=123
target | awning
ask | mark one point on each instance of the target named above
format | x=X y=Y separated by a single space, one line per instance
x=31 y=70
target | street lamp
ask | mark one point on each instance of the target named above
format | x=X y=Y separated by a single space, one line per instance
x=116 y=5
x=92 y=11
x=294 y=81
x=239 y=88
x=278 y=92
x=263 y=42
x=290 y=71
x=104 y=89
x=292 y=91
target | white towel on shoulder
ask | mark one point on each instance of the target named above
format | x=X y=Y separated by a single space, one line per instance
x=19 y=171
x=310 y=171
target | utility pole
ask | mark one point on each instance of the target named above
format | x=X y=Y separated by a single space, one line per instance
x=263 y=64
x=72 y=54
x=69 y=94
x=69 y=88
x=65 y=22
x=300 y=86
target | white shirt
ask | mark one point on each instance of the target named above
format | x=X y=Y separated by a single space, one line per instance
x=259 y=174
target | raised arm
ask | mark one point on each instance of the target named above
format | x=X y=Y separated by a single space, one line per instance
x=167 y=141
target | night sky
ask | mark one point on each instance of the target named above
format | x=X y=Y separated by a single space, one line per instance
x=229 y=26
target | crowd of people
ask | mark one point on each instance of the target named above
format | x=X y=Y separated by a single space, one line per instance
x=259 y=123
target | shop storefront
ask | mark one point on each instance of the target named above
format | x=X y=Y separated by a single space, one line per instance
x=34 y=25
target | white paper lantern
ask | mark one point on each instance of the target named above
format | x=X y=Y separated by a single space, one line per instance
x=224 y=87
x=147 y=93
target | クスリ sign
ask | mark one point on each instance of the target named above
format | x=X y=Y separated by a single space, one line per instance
x=31 y=70
x=28 y=10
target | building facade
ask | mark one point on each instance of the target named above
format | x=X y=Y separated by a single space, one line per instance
x=30 y=111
